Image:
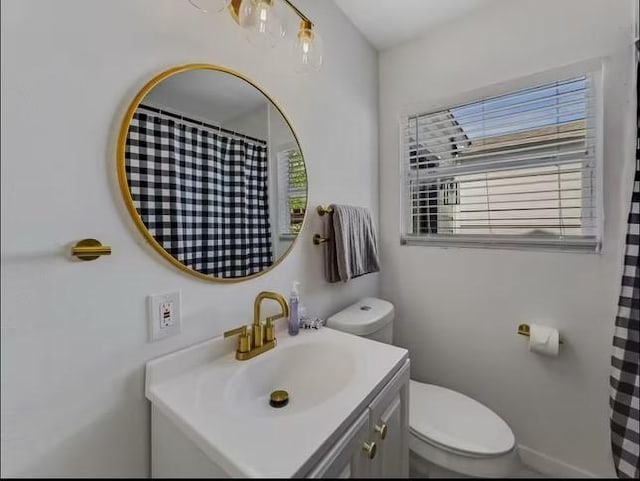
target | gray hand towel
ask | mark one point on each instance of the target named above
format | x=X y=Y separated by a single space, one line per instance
x=352 y=250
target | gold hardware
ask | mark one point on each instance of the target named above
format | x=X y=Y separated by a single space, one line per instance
x=244 y=341
x=242 y=330
x=122 y=173
x=371 y=449
x=318 y=239
x=525 y=330
x=269 y=328
x=279 y=398
x=90 y=249
x=382 y=430
x=234 y=9
x=261 y=338
x=268 y=295
x=322 y=210
x=255 y=351
x=257 y=333
x=305 y=28
x=302 y=16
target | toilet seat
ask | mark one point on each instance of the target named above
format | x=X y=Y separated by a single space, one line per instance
x=459 y=433
x=457 y=422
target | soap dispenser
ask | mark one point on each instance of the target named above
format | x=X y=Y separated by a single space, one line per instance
x=294 y=310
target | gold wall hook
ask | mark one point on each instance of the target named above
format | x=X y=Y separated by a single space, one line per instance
x=90 y=249
x=318 y=239
x=322 y=210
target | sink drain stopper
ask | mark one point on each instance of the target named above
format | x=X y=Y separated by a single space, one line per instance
x=279 y=399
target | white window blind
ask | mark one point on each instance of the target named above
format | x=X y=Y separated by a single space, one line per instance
x=292 y=192
x=517 y=170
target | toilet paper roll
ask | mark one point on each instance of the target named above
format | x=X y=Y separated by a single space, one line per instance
x=544 y=340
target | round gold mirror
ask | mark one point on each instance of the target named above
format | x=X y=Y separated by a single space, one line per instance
x=212 y=173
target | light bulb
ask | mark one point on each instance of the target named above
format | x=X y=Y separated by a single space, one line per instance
x=246 y=12
x=210 y=6
x=265 y=26
x=307 y=49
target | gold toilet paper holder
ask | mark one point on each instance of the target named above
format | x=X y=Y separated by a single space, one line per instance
x=525 y=330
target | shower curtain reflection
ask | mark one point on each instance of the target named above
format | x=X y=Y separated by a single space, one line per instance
x=202 y=194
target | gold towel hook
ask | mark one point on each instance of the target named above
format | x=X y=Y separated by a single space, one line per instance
x=322 y=210
x=90 y=249
x=318 y=239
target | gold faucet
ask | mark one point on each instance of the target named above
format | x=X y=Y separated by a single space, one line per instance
x=261 y=338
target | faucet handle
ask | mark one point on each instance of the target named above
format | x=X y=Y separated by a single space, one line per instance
x=244 y=342
x=269 y=329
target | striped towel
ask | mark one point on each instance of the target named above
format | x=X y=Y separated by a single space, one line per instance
x=352 y=250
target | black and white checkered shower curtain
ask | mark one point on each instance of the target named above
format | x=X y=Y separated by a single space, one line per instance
x=625 y=382
x=202 y=195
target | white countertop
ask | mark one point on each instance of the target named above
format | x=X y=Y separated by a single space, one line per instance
x=197 y=388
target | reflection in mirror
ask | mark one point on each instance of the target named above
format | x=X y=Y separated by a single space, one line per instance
x=215 y=174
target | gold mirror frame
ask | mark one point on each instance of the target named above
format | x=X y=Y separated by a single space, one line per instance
x=124 y=185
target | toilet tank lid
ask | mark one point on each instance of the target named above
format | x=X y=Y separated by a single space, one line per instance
x=365 y=317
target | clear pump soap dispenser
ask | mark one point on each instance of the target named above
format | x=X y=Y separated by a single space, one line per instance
x=294 y=310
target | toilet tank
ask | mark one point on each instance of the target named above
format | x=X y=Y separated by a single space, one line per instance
x=369 y=317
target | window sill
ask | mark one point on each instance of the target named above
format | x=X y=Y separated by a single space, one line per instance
x=584 y=245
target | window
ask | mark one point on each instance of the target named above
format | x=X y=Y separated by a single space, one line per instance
x=292 y=192
x=516 y=170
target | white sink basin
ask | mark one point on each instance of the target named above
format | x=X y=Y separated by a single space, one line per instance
x=222 y=404
x=330 y=367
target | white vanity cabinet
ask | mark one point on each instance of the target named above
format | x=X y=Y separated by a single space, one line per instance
x=377 y=444
x=389 y=419
x=348 y=415
x=347 y=458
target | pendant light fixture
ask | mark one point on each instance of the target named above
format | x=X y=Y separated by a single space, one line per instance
x=265 y=27
x=307 y=49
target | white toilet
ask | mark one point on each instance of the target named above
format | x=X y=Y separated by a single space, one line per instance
x=451 y=435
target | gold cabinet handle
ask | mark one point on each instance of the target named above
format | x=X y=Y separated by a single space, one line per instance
x=382 y=430
x=371 y=449
x=90 y=249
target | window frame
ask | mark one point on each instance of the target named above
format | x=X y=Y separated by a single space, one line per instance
x=283 y=191
x=593 y=68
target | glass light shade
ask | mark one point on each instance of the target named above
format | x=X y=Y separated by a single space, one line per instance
x=210 y=6
x=264 y=23
x=246 y=13
x=307 y=49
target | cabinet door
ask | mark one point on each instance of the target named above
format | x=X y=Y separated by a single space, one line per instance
x=348 y=458
x=389 y=427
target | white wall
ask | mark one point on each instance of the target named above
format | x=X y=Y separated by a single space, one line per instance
x=457 y=309
x=254 y=123
x=74 y=334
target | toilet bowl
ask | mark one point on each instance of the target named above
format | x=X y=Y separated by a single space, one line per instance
x=450 y=435
x=455 y=434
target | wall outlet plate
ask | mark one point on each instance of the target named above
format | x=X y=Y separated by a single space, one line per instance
x=165 y=315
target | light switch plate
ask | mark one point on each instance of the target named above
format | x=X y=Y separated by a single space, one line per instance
x=164 y=314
